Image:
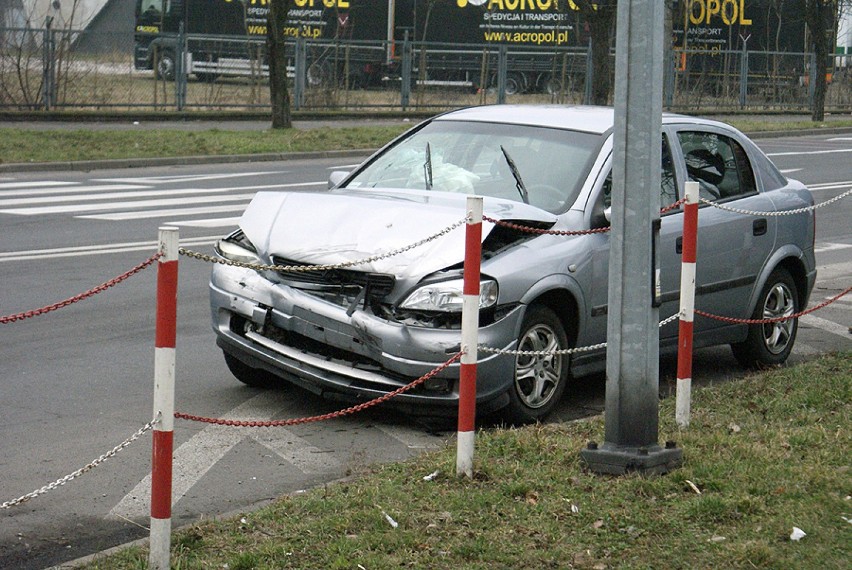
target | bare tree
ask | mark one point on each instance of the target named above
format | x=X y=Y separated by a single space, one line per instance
x=600 y=16
x=276 y=22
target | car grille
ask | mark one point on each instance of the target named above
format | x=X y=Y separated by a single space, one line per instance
x=378 y=285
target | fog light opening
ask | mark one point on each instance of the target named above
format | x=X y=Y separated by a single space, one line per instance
x=440 y=385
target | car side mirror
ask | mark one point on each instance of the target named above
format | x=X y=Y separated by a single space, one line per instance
x=336 y=177
x=601 y=218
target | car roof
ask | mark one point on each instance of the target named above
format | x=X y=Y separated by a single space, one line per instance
x=586 y=118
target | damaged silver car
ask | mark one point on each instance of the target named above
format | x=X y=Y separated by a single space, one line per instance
x=358 y=332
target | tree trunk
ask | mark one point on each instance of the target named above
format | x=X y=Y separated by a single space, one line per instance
x=601 y=19
x=275 y=47
x=820 y=18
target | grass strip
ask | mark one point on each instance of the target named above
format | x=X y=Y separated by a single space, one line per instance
x=60 y=145
x=18 y=145
x=762 y=454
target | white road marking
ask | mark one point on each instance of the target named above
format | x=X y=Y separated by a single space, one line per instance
x=187 y=177
x=55 y=191
x=790 y=170
x=98 y=249
x=42 y=183
x=208 y=223
x=143 y=214
x=801 y=153
x=193 y=459
x=110 y=196
x=827 y=326
x=73 y=208
x=830 y=185
x=832 y=247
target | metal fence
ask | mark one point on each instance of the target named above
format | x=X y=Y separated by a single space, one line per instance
x=46 y=69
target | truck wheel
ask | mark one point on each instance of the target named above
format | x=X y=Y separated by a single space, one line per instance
x=165 y=66
x=249 y=376
x=539 y=379
x=516 y=83
x=318 y=74
x=770 y=344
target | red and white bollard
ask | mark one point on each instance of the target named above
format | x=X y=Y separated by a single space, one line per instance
x=687 y=306
x=469 y=337
x=164 y=401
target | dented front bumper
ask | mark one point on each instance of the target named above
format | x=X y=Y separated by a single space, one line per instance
x=334 y=352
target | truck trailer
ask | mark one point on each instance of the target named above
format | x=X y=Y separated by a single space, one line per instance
x=226 y=37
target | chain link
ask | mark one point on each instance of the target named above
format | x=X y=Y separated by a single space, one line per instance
x=303 y=268
x=735 y=320
x=329 y=416
x=561 y=352
x=91 y=292
x=782 y=213
x=59 y=482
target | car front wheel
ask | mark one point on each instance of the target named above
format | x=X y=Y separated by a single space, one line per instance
x=540 y=375
x=769 y=344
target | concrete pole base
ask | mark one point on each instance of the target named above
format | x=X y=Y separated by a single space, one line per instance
x=611 y=459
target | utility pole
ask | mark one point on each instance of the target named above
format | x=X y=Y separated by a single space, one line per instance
x=632 y=367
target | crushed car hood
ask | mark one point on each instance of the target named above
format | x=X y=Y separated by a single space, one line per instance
x=338 y=226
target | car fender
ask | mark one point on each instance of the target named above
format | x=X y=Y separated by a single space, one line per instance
x=784 y=255
x=556 y=282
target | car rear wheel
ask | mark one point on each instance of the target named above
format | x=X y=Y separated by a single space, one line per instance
x=254 y=377
x=540 y=378
x=769 y=344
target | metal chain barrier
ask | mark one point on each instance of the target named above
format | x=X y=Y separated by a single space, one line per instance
x=528 y=229
x=784 y=213
x=775 y=319
x=329 y=416
x=91 y=292
x=564 y=351
x=89 y=467
x=292 y=268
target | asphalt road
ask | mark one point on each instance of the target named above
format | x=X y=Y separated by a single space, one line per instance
x=78 y=381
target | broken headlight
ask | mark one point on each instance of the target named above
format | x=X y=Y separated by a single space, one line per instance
x=447 y=296
x=237 y=247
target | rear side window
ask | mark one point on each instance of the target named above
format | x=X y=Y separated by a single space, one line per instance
x=719 y=164
x=769 y=175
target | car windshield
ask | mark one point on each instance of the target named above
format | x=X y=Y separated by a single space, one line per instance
x=541 y=166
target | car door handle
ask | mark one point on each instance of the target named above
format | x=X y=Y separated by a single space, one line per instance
x=679 y=245
x=759 y=227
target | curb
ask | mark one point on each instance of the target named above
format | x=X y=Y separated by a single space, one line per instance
x=86 y=165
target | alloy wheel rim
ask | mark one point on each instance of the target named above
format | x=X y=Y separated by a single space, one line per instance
x=537 y=376
x=779 y=302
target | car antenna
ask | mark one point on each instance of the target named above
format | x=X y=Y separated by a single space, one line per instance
x=517 y=174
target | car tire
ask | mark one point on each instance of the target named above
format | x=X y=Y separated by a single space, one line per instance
x=539 y=380
x=254 y=377
x=770 y=344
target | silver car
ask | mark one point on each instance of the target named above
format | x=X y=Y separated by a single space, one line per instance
x=359 y=332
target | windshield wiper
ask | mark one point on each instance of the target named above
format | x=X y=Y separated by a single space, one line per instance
x=427 y=167
x=522 y=190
